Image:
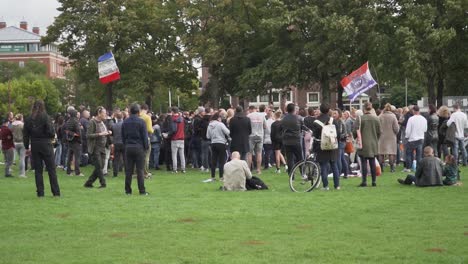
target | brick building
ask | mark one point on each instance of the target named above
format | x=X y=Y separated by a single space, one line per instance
x=20 y=45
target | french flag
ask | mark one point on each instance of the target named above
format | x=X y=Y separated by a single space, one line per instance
x=358 y=82
x=107 y=67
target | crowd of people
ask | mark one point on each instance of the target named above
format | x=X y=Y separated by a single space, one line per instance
x=135 y=141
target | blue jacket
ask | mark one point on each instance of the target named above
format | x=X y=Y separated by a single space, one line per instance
x=134 y=132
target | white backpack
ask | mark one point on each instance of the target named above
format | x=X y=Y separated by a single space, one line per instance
x=329 y=140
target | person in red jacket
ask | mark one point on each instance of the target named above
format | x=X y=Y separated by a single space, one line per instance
x=8 y=147
x=177 y=140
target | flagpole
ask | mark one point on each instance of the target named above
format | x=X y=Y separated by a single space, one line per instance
x=378 y=85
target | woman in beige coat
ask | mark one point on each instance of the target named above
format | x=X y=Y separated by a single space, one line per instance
x=388 y=137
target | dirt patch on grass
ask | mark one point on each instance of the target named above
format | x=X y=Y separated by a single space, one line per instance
x=62 y=216
x=253 y=242
x=119 y=235
x=304 y=227
x=466 y=233
x=438 y=250
x=186 y=220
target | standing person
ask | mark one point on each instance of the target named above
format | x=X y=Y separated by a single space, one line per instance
x=73 y=132
x=84 y=122
x=217 y=133
x=291 y=131
x=8 y=147
x=389 y=130
x=267 y=144
x=97 y=138
x=369 y=125
x=149 y=128
x=178 y=140
x=165 y=129
x=414 y=133
x=156 y=144
x=119 y=154
x=308 y=122
x=432 y=135
x=258 y=123
x=135 y=139
x=444 y=115
x=326 y=158
x=196 y=138
x=38 y=131
x=461 y=122
x=277 y=141
x=17 y=130
x=58 y=126
x=205 y=142
x=240 y=129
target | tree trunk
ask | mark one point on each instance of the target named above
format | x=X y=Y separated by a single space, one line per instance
x=431 y=88
x=325 y=87
x=440 y=90
x=109 y=96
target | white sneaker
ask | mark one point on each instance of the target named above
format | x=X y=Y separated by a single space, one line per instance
x=209 y=180
x=406 y=170
x=286 y=167
x=278 y=171
x=325 y=188
x=202 y=168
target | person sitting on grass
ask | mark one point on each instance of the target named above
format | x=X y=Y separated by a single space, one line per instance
x=451 y=171
x=236 y=172
x=428 y=172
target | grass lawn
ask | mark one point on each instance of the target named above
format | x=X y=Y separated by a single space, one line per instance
x=187 y=221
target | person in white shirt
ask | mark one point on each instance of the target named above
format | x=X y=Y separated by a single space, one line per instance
x=258 y=123
x=461 y=123
x=236 y=172
x=414 y=133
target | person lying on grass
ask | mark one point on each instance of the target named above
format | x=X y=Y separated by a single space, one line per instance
x=428 y=171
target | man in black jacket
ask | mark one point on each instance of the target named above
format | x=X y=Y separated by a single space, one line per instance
x=135 y=139
x=73 y=137
x=291 y=128
x=241 y=128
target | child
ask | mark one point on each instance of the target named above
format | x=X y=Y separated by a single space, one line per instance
x=8 y=147
x=451 y=171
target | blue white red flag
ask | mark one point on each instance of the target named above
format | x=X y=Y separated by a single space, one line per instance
x=358 y=82
x=107 y=67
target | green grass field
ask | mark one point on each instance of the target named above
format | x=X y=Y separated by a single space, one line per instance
x=187 y=221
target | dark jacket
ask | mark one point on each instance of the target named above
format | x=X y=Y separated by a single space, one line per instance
x=429 y=172
x=240 y=128
x=324 y=155
x=205 y=122
x=291 y=128
x=134 y=132
x=117 y=132
x=96 y=143
x=276 y=132
x=39 y=129
x=73 y=126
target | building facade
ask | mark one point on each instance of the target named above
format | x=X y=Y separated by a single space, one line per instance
x=19 y=45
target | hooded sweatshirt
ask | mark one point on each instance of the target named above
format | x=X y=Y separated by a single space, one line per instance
x=217 y=132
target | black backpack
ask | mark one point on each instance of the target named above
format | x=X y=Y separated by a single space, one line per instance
x=255 y=183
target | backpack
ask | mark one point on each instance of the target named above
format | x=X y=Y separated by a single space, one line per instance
x=17 y=131
x=255 y=183
x=328 y=139
x=450 y=134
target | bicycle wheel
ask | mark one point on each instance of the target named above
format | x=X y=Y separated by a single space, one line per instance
x=305 y=176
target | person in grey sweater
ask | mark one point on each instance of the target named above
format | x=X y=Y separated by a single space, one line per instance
x=428 y=171
x=218 y=134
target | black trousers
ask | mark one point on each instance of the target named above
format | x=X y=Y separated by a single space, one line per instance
x=119 y=158
x=135 y=157
x=372 y=167
x=218 y=156
x=97 y=158
x=167 y=154
x=293 y=155
x=43 y=152
x=74 y=149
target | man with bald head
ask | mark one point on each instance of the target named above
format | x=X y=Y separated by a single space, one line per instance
x=236 y=172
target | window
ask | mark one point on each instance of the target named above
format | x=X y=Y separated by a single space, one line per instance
x=264 y=98
x=289 y=96
x=21 y=64
x=313 y=97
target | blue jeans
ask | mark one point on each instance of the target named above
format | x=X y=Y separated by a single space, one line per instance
x=325 y=170
x=456 y=150
x=58 y=154
x=154 y=156
x=205 y=153
x=343 y=166
x=409 y=148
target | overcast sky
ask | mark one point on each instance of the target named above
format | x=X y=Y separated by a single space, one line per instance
x=38 y=13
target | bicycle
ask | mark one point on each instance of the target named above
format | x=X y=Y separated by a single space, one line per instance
x=305 y=175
